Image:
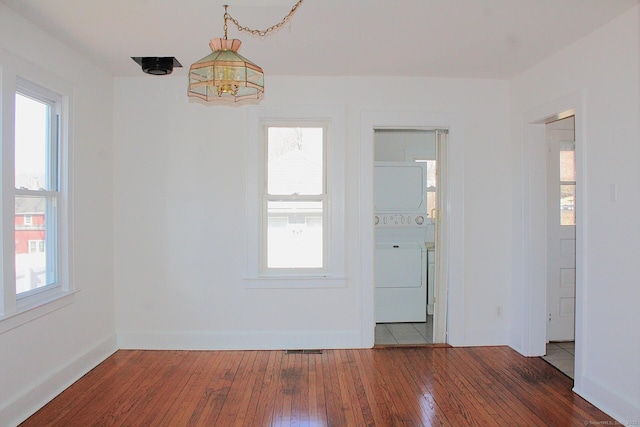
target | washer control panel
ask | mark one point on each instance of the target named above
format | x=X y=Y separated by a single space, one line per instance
x=401 y=220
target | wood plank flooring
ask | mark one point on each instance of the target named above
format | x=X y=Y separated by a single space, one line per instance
x=419 y=386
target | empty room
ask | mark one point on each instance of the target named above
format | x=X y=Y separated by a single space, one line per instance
x=281 y=212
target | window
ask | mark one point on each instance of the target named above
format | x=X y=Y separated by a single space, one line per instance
x=431 y=189
x=295 y=197
x=567 y=182
x=36 y=197
x=432 y=192
x=34 y=192
x=36 y=185
x=36 y=246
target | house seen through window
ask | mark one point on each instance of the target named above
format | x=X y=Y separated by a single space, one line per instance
x=295 y=200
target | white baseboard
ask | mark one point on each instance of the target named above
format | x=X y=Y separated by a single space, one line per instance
x=620 y=407
x=36 y=395
x=233 y=340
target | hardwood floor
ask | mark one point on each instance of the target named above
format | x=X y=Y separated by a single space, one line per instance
x=483 y=386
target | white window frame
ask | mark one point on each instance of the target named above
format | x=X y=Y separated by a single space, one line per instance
x=333 y=120
x=17 y=309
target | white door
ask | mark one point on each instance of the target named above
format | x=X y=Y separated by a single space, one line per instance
x=561 y=230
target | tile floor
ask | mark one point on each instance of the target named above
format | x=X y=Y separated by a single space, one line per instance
x=405 y=333
x=561 y=355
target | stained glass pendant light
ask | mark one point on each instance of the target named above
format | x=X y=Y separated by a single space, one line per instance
x=225 y=75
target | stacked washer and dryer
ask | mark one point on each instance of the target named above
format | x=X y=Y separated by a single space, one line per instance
x=403 y=232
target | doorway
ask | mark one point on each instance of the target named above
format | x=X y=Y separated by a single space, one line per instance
x=407 y=210
x=530 y=290
x=561 y=243
x=449 y=317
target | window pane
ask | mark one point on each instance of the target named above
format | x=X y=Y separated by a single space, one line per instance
x=567 y=204
x=295 y=234
x=32 y=133
x=35 y=264
x=431 y=173
x=295 y=161
x=567 y=161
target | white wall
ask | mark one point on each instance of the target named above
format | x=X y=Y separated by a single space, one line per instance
x=604 y=68
x=179 y=215
x=393 y=146
x=40 y=358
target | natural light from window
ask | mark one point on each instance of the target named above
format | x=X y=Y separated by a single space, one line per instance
x=296 y=199
x=567 y=183
x=34 y=205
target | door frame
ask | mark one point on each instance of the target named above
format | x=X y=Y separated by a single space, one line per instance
x=533 y=298
x=452 y=230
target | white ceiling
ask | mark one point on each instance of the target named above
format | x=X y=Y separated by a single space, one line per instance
x=453 y=38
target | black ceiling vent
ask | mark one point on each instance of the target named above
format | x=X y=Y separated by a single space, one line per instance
x=158 y=66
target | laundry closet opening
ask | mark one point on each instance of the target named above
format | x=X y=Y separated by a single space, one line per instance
x=406 y=208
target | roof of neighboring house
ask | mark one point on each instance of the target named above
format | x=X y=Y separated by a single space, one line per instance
x=294 y=172
x=30 y=205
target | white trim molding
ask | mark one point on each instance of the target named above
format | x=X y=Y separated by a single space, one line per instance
x=36 y=395
x=452 y=233
x=334 y=118
x=239 y=340
x=530 y=288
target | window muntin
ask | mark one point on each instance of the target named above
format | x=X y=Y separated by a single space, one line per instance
x=37 y=191
x=295 y=200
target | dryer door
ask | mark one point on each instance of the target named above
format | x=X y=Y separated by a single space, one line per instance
x=401 y=291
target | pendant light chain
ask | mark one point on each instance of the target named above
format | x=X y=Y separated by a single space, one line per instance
x=260 y=33
x=226 y=17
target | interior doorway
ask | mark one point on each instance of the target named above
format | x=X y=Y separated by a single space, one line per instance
x=407 y=177
x=449 y=317
x=530 y=321
x=561 y=243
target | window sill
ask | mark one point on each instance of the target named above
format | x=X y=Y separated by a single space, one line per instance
x=294 y=282
x=37 y=309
